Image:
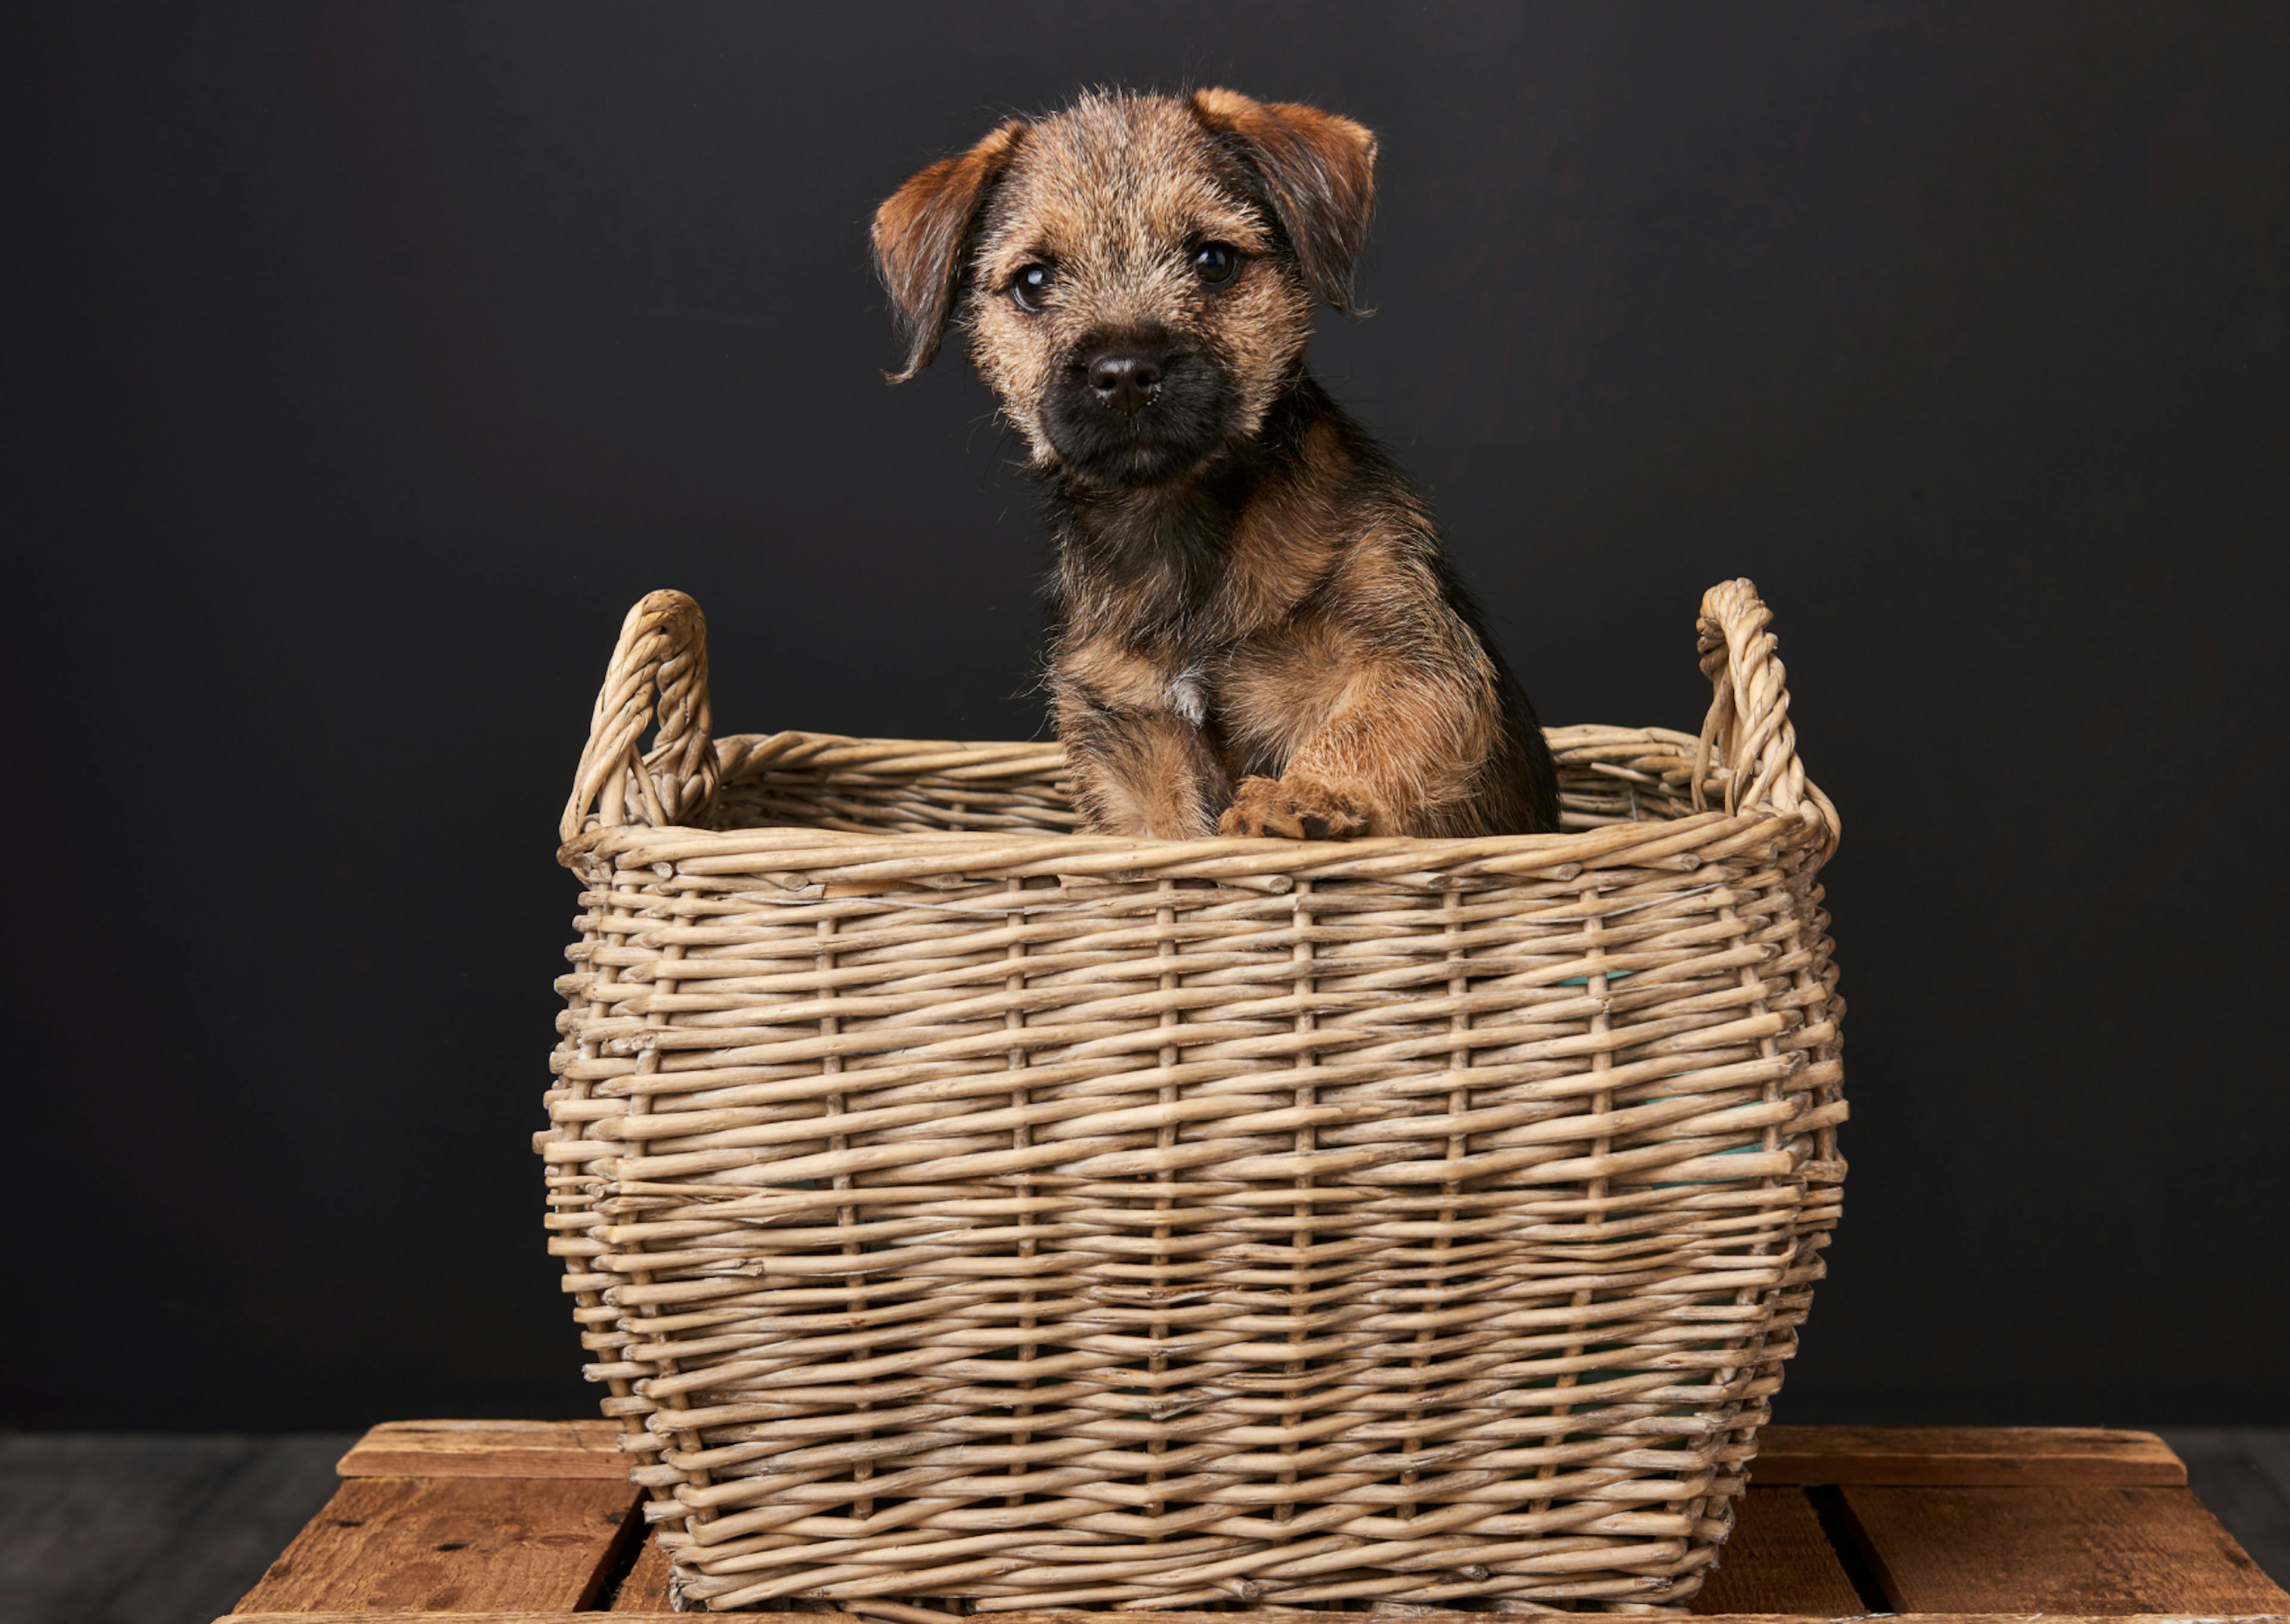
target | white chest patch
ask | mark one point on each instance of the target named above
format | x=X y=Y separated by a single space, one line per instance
x=1187 y=700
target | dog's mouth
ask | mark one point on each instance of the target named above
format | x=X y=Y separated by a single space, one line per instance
x=1131 y=415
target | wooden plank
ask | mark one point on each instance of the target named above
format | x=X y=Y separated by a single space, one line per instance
x=645 y=1589
x=2096 y=1550
x=1779 y=1560
x=1969 y=1456
x=589 y=1450
x=1902 y=1455
x=438 y=1544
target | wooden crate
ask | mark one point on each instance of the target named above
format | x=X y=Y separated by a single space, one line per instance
x=529 y=1521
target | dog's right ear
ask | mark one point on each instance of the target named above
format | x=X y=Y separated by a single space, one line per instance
x=923 y=233
x=1318 y=172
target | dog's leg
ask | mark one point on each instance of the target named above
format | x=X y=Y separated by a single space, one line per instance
x=1137 y=743
x=1150 y=775
x=1400 y=744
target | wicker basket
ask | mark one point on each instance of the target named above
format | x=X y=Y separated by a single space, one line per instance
x=965 y=1215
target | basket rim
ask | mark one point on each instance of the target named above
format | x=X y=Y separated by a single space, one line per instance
x=657 y=683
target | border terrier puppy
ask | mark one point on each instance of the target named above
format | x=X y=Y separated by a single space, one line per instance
x=1256 y=633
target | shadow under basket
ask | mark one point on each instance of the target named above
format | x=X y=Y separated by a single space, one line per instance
x=965 y=1215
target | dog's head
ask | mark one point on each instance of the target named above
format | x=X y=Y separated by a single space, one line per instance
x=1136 y=274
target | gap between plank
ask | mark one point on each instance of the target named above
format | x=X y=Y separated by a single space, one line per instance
x=1850 y=1541
x=620 y=1558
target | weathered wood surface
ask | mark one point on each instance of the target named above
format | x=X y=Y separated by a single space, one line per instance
x=643 y=1588
x=1963 y=1455
x=2057 y=1549
x=453 y=1545
x=490 y=1448
x=1779 y=1560
x=1900 y=1455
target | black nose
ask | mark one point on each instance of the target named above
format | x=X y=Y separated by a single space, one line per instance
x=1126 y=378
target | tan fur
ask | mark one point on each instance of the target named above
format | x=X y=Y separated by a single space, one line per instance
x=1104 y=188
x=921 y=229
x=1264 y=642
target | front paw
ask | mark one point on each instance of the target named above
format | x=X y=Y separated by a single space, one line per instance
x=1293 y=810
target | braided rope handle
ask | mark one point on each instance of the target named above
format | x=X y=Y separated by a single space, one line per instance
x=658 y=674
x=1748 y=729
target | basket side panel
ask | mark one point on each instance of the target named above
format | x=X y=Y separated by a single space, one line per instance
x=1037 y=1242
x=891 y=786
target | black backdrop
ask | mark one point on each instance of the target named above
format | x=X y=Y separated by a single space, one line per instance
x=370 y=360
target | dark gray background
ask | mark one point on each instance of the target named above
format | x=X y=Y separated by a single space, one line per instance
x=370 y=360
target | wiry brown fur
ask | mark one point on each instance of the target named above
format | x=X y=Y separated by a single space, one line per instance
x=1257 y=633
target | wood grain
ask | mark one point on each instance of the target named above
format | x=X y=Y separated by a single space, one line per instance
x=1777 y=1560
x=645 y=1589
x=2116 y=1550
x=1968 y=1456
x=1788 y=1455
x=434 y=1545
x=489 y=1449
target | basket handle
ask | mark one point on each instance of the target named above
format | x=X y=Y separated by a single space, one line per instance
x=1748 y=728
x=659 y=673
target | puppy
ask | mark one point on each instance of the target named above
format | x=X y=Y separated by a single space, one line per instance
x=1255 y=631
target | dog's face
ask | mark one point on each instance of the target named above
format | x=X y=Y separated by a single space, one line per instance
x=1136 y=274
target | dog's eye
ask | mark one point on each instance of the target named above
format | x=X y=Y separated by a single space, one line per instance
x=1031 y=287
x=1214 y=262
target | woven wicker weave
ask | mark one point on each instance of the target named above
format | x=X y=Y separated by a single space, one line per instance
x=967 y=1214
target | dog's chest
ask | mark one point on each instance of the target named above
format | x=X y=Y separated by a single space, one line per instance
x=1253 y=691
x=1189 y=695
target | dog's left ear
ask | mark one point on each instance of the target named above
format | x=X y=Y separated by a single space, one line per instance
x=1318 y=172
x=923 y=234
